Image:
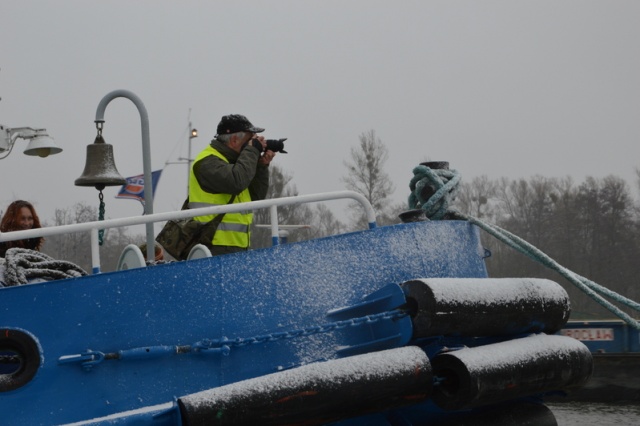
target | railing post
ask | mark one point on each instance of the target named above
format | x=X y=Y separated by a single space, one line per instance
x=273 y=213
x=95 y=251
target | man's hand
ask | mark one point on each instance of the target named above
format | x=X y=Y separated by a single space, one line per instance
x=266 y=158
x=262 y=141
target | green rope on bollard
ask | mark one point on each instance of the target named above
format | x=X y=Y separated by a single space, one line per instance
x=445 y=183
x=432 y=190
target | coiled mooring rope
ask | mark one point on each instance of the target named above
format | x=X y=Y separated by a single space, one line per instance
x=443 y=185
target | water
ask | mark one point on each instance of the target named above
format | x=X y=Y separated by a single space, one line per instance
x=595 y=414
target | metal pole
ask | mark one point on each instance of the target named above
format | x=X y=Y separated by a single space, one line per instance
x=146 y=156
x=193 y=133
x=189 y=155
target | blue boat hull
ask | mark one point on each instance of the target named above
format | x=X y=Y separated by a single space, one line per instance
x=142 y=315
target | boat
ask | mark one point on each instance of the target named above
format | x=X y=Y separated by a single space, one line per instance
x=615 y=347
x=390 y=325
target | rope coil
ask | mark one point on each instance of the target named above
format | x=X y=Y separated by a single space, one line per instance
x=432 y=190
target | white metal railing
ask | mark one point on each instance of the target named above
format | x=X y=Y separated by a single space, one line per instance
x=272 y=204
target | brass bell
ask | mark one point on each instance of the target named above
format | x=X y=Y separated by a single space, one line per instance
x=100 y=168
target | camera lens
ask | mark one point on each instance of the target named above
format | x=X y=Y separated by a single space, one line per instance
x=276 y=145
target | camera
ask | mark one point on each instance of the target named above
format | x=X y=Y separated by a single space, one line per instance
x=276 y=145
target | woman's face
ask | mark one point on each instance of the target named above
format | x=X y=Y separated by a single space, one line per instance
x=25 y=218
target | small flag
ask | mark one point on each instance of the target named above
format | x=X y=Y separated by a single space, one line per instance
x=134 y=188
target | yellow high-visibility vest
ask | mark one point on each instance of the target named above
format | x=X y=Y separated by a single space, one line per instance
x=234 y=230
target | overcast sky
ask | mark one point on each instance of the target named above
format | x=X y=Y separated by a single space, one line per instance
x=501 y=88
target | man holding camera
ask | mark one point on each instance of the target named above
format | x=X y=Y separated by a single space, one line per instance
x=234 y=168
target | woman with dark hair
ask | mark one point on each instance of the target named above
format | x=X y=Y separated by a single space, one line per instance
x=20 y=215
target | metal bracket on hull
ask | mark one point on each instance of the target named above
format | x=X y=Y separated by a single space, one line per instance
x=387 y=303
x=91 y=358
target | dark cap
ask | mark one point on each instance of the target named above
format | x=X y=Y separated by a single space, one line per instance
x=236 y=123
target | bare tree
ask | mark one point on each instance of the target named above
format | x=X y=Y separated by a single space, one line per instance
x=366 y=175
x=477 y=198
x=325 y=222
x=321 y=221
x=76 y=247
x=72 y=247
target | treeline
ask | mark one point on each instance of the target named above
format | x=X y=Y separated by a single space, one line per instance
x=591 y=228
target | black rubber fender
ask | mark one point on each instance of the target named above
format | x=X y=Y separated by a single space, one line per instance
x=490 y=374
x=485 y=306
x=316 y=393
x=23 y=358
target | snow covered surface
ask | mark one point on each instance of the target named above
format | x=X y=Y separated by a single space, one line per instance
x=371 y=367
x=519 y=351
x=491 y=291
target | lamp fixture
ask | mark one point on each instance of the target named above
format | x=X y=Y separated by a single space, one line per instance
x=193 y=133
x=40 y=143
